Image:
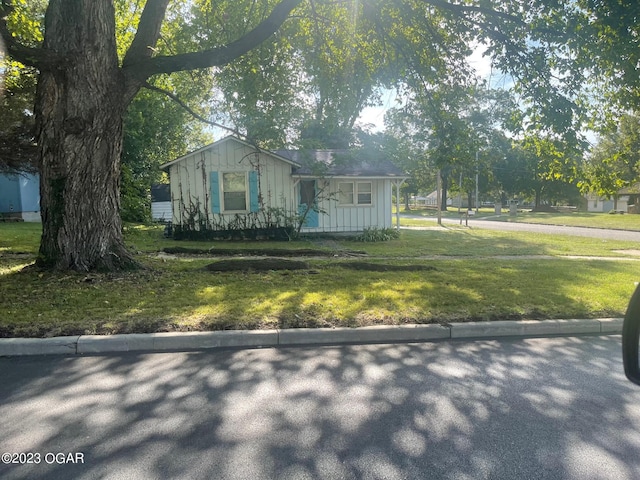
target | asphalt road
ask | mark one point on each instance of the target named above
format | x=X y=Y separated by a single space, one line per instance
x=507 y=226
x=557 y=408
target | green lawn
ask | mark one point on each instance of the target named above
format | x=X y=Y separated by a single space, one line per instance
x=470 y=279
x=575 y=219
x=580 y=219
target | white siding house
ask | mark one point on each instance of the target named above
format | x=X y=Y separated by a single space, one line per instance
x=231 y=184
x=596 y=203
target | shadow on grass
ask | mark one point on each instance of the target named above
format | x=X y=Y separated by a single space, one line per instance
x=182 y=296
x=538 y=408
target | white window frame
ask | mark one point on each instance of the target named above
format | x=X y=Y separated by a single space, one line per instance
x=246 y=193
x=355 y=192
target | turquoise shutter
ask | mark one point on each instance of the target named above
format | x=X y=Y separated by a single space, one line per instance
x=215 y=192
x=253 y=191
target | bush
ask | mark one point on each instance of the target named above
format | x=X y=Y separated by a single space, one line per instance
x=375 y=234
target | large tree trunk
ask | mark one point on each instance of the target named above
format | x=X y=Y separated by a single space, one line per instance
x=79 y=111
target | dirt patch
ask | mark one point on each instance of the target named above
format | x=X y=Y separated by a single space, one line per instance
x=272 y=264
x=635 y=253
x=262 y=252
x=262 y=265
x=380 y=267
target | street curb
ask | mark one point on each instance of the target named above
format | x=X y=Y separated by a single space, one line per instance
x=375 y=334
x=38 y=346
x=189 y=341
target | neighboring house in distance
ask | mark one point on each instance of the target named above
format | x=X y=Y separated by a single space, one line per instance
x=632 y=198
x=161 y=202
x=619 y=203
x=431 y=200
x=231 y=184
x=20 y=197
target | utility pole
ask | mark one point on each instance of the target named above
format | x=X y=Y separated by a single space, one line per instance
x=477 y=167
x=439 y=197
x=460 y=193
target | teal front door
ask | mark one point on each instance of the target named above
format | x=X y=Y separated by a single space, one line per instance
x=306 y=202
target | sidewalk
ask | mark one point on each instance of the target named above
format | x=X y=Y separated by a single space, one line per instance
x=190 y=341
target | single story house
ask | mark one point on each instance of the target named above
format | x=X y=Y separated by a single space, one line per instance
x=232 y=185
x=619 y=202
x=20 y=197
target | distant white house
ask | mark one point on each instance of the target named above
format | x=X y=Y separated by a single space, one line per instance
x=231 y=184
x=596 y=203
x=431 y=200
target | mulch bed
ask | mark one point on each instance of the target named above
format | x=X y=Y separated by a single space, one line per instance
x=270 y=264
x=381 y=267
x=262 y=265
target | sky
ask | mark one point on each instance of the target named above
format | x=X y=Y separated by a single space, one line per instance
x=374 y=116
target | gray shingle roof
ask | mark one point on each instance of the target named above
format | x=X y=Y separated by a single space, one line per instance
x=339 y=163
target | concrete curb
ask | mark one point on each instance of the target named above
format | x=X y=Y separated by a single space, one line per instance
x=179 y=341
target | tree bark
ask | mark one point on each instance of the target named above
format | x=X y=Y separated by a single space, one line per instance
x=538 y=199
x=79 y=111
x=445 y=193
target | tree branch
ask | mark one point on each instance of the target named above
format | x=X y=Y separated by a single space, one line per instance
x=35 y=57
x=192 y=112
x=145 y=68
x=148 y=32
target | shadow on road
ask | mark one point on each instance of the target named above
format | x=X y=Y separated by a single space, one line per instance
x=538 y=408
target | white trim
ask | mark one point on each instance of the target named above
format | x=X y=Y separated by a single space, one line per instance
x=353 y=178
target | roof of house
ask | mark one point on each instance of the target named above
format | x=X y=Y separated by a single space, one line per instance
x=339 y=163
x=222 y=140
x=316 y=163
x=630 y=190
x=160 y=192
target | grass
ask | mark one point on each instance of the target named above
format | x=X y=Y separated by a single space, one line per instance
x=581 y=219
x=471 y=280
x=474 y=242
x=574 y=219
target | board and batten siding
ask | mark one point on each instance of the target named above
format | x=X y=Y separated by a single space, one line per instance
x=355 y=218
x=191 y=179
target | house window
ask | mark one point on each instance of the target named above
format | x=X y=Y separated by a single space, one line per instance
x=354 y=193
x=234 y=188
x=364 y=193
x=345 y=193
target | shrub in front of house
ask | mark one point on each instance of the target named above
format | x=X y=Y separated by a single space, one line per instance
x=375 y=234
